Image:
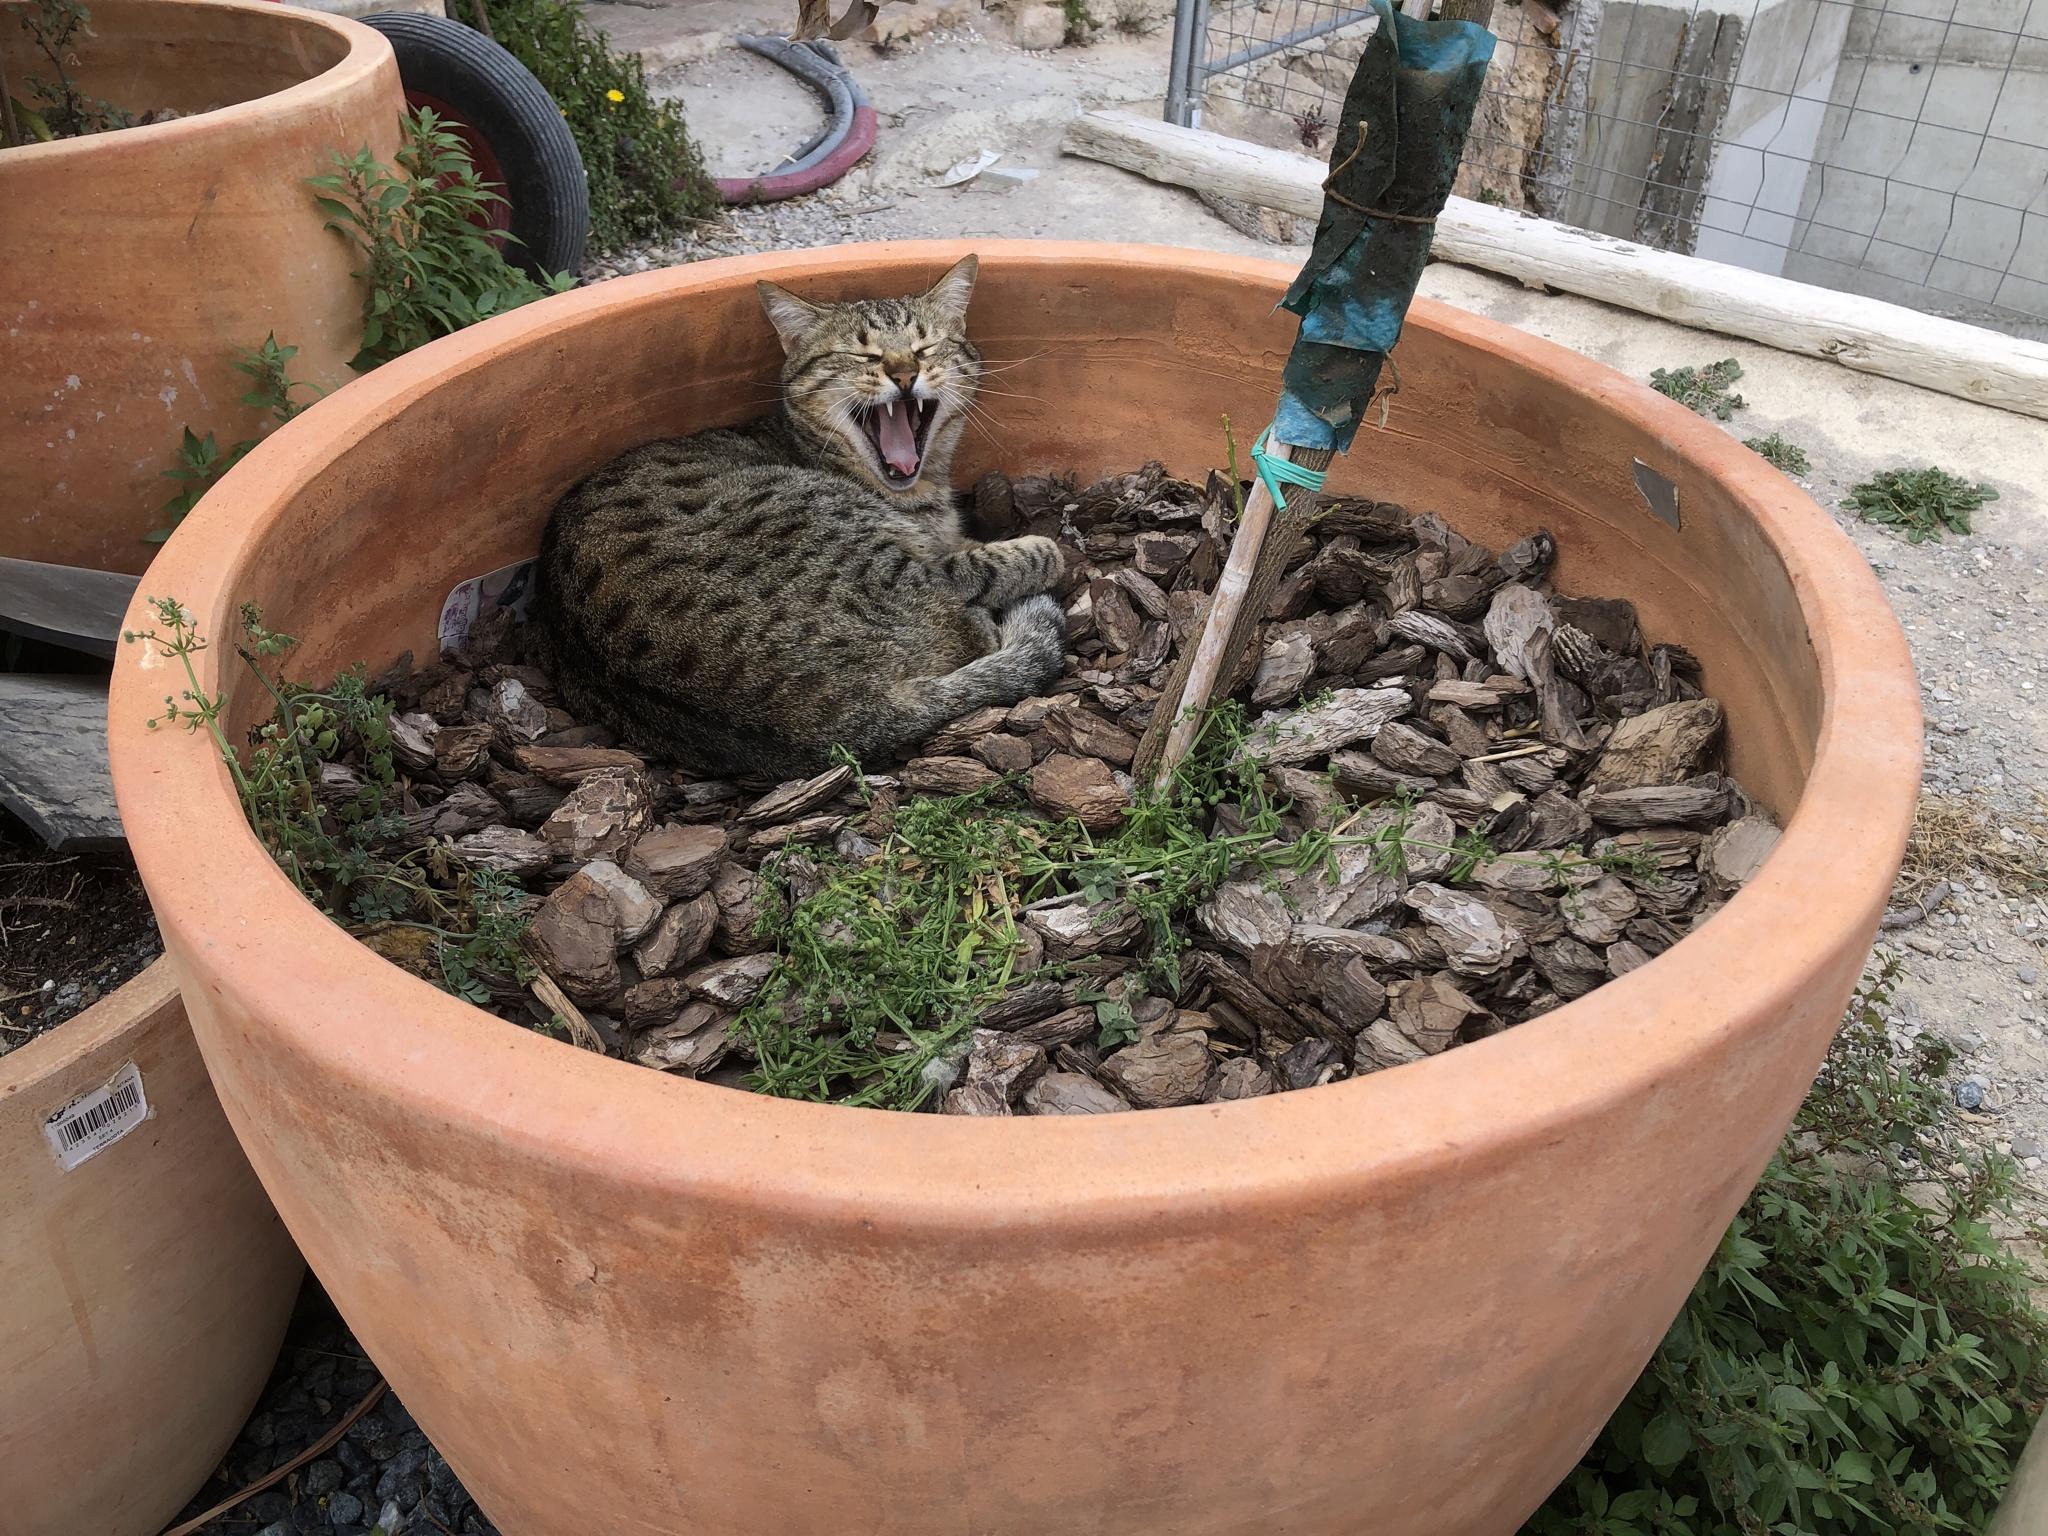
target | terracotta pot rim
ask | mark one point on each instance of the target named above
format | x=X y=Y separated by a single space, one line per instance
x=56 y=1050
x=366 y=49
x=228 y=911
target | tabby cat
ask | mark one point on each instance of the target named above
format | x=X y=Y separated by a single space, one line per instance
x=744 y=601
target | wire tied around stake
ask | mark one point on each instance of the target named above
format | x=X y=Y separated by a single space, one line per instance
x=1278 y=472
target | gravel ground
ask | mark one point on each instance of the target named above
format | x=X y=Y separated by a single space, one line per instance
x=382 y=1475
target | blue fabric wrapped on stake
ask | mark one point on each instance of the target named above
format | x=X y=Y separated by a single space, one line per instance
x=1396 y=154
x=1392 y=163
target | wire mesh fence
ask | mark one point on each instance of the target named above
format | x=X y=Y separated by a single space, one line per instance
x=1895 y=148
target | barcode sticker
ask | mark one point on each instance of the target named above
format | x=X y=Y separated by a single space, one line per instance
x=94 y=1121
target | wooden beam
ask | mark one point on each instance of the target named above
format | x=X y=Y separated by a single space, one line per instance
x=1865 y=334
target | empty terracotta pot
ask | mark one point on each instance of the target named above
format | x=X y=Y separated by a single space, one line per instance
x=141 y=264
x=146 y=1281
x=626 y=1302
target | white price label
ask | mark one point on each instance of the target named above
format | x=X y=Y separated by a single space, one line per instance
x=94 y=1121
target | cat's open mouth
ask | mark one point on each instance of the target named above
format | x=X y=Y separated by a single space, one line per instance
x=897 y=430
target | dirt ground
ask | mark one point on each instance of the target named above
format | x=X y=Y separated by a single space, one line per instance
x=1973 y=607
x=72 y=928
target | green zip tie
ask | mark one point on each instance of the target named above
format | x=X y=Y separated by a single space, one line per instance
x=1278 y=472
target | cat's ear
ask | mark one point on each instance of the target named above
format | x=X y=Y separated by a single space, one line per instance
x=946 y=300
x=791 y=316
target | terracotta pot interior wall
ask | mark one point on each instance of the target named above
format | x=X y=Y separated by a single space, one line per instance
x=191 y=58
x=1104 y=380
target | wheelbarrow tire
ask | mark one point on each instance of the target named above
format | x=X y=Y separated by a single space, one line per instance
x=497 y=98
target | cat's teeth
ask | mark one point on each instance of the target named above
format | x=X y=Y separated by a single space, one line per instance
x=897 y=437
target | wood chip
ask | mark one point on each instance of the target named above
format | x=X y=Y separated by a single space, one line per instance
x=1406 y=750
x=1473 y=938
x=799 y=797
x=1692 y=804
x=1078 y=928
x=678 y=937
x=1084 y=733
x=1660 y=746
x=1245 y=916
x=575 y=937
x=601 y=816
x=742 y=898
x=1598 y=912
x=570 y=766
x=693 y=1044
x=508 y=850
x=1071 y=1093
x=1731 y=855
x=1285 y=667
x=1164 y=1069
x=1081 y=787
x=1239 y=1078
x=732 y=983
x=946 y=775
x=1348 y=715
x=636 y=907
x=676 y=861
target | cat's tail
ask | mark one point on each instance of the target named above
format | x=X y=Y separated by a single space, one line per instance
x=1030 y=654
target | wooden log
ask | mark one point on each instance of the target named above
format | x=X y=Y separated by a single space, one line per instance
x=1865 y=334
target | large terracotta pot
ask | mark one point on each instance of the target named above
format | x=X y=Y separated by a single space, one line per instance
x=143 y=1291
x=1404 y=1304
x=141 y=264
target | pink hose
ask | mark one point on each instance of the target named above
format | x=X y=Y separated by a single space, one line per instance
x=860 y=138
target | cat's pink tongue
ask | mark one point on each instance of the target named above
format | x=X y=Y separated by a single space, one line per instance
x=898 y=439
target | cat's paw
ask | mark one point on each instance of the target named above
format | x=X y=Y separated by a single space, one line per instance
x=1035 y=630
x=1042 y=558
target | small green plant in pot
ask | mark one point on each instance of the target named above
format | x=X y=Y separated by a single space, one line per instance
x=431 y=270
x=56 y=108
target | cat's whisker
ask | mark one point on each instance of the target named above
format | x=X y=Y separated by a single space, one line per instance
x=1012 y=394
x=983 y=370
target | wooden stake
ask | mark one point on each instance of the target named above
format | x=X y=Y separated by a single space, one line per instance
x=1259 y=552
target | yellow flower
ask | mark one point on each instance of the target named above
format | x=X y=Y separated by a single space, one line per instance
x=614 y=95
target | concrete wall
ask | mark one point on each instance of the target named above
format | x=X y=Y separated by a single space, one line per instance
x=1935 y=155
x=1770 y=133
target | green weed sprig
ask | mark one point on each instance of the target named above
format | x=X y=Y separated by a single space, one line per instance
x=1861 y=1357
x=201 y=461
x=1920 y=503
x=1704 y=390
x=337 y=851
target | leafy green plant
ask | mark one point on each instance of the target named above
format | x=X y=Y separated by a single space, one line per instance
x=1785 y=457
x=646 y=176
x=1704 y=390
x=1920 y=503
x=1081 y=23
x=430 y=269
x=201 y=460
x=1861 y=1357
x=884 y=965
x=53 y=28
x=332 y=836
